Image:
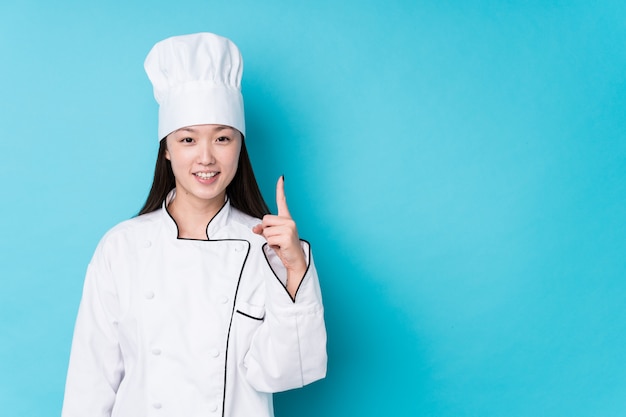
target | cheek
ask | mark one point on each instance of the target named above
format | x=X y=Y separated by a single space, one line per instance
x=233 y=157
x=236 y=159
x=236 y=162
x=179 y=162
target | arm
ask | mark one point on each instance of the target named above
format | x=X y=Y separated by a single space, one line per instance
x=95 y=367
x=289 y=349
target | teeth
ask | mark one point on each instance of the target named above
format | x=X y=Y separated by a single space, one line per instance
x=205 y=175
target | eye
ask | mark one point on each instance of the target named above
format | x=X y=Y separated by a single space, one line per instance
x=187 y=140
x=223 y=139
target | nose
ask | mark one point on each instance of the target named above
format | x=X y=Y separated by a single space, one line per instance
x=205 y=153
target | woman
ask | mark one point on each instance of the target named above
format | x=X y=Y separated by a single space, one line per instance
x=197 y=307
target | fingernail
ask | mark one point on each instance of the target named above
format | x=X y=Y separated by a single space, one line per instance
x=283 y=177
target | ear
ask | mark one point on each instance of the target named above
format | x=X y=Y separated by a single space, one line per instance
x=167 y=154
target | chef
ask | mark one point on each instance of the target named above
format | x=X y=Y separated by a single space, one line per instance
x=204 y=304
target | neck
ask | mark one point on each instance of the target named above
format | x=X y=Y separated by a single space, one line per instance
x=193 y=217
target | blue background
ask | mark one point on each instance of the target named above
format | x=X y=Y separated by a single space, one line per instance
x=459 y=167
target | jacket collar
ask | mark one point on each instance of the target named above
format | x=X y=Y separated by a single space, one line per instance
x=218 y=222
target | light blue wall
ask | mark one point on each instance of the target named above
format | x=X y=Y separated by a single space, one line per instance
x=459 y=167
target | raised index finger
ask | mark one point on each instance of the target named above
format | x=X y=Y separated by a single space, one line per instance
x=281 y=200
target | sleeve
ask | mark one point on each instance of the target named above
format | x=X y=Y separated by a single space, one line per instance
x=95 y=366
x=289 y=348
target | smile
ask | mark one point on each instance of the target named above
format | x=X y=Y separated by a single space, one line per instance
x=205 y=175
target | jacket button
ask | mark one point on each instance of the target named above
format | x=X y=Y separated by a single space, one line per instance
x=149 y=295
x=156 y=406
x=223 y=299
x=214 y=352
x=213 y=407
x=146 y=244
x=156 y=351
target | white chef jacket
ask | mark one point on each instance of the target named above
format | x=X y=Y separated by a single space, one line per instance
x=183 y=328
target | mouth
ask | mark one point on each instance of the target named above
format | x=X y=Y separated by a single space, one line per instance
x=205 y=175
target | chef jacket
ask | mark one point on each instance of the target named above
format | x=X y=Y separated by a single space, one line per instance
x=183 y=328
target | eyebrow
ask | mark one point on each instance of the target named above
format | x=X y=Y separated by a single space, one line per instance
x=191 y=129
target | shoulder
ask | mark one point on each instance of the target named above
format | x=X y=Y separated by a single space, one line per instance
x=130 y=232
x=242 y=225
x=136 y=225
x=242 y=218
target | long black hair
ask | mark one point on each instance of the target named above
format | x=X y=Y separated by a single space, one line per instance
x=243 y=191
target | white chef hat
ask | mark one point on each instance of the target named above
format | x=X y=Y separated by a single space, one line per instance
x=196 y=80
